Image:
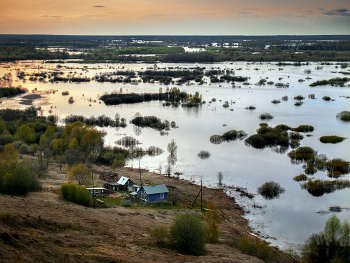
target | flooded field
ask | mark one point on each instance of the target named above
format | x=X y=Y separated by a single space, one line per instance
x=287 y=220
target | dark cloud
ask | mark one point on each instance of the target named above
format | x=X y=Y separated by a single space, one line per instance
x=321 y=9
x=341 y=10
x=99 y=6
x=338 y=12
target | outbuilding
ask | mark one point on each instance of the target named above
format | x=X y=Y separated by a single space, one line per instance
x=154 y=193
x=124 y=183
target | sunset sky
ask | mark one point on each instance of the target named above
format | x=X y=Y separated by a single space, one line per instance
x=175 y=17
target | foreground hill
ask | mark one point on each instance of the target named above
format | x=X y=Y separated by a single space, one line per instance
x=46 y=228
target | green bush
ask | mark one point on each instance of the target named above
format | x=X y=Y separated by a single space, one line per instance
x=19 y=181
x=270 y=190
x=188 y=234
x=75 y=193
x=159 y=234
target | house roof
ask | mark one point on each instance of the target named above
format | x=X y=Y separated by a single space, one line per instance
x=155 y=189
x=123 y=180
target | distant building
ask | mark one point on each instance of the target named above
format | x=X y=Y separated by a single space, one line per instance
x=109 y=177
x=154 y=193
x=98 y=191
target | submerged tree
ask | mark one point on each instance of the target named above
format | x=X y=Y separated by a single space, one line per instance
x=172 y=158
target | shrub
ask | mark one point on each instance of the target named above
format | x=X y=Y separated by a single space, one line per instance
x=19 y=181
x=320 y=187
x=303 y=128
x=76 y=194
x=294 y=144
x=233 y=135
x=266 y=116
x=331 y=139
x=251 y=107
x=258 y=248
x=270 y=190
x=216 y=139
x=338 y=165
x=6 y=139
x=159 y=234
x=188 y=233
x=310 y=169
x=299 y=98
x=245 y=245
x=300 y=177
x=296 y=136
x=282 y=127
x=255 y=141
x=344 y=115
x=326 y=98
x=204 y=154
x=302 y=153
x=24 y=149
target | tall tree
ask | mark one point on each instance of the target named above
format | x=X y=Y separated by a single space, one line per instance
x=8 y=159
x=81 y=174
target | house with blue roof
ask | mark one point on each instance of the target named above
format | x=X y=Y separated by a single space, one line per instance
x=154 y=193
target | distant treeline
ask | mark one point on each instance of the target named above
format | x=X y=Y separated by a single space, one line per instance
x=115 y=99
x=11 y=92
x=152 y=50
x=11 y=53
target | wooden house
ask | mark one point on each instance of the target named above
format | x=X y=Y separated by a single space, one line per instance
x=109 y=177
x=154 y=193
x=123 y=184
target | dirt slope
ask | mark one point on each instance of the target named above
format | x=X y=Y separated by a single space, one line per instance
x=46 y=228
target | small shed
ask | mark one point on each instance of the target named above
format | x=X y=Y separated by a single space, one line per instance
x=111 y=186
x=124 y=183
x=154 y=193
x=98 y=191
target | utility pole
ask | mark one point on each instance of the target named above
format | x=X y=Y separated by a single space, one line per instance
x=93 y=188
x=201 y=197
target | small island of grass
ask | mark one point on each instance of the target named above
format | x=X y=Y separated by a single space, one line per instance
x=331 y=139
x=344 y=115
x=333 y=82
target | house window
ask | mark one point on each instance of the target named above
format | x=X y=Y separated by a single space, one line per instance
x=162 y=196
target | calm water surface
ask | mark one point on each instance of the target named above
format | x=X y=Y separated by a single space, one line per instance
x=285 y=221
